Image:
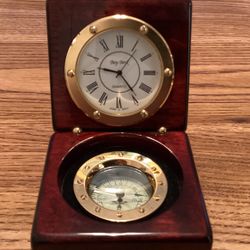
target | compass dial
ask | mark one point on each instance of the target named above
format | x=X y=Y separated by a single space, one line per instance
x=120 y=186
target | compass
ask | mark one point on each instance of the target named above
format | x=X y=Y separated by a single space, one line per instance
x=120 y=186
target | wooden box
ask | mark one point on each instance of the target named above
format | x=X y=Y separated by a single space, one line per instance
x=181 y=223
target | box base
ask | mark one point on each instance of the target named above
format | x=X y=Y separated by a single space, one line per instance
x=181 y=223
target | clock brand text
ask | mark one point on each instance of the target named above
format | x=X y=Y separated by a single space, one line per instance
x=116 y=63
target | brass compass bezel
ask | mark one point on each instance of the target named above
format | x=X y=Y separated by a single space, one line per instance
x=145 y=164
x=119 y=22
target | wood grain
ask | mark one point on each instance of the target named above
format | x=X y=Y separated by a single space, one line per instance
x=219 y=116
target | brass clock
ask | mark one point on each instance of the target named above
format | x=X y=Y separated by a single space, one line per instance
x=120 y=186
x=119 y=70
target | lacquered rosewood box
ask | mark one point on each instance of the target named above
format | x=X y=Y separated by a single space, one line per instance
x=62 y=219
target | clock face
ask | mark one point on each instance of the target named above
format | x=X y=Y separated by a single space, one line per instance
x=120 y=186
x=119 y=70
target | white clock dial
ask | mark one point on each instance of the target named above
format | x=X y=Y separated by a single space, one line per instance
x=119 y=71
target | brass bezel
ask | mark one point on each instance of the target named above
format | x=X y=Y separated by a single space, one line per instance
x=119 y=22
x=138 y=161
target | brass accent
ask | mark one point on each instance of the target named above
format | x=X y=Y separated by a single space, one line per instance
x=100 y=166
x=97 y=115
x=168 y=72
x=162 y=130
x=121 y=154
x=156 y=172
x=139 y=158
x=159 y=185
x=97 y=209
x=157 y=198
x=144 y=114
x=92 y=29
x=144 y=29
x=79 y=181
x=71 y=73
x=86 y=36
x=83 y=197
x=119 y=215
x=77 y=130
x=141 y=210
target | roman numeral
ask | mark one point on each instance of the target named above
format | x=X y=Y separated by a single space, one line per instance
x=149 y=72
x=119 y=41
x=94 y=57
x=135 y=100
x=135 y=45
x=145 y=88
x=103 y=98
x=104 y=45
x=118 y=103
x=88 y=72
x=145 y=57
x=92 y=87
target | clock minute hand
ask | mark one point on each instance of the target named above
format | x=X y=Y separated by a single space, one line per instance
x=126 y=83
x=119 y=73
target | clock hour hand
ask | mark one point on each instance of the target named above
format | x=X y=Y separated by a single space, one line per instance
x=110 y=70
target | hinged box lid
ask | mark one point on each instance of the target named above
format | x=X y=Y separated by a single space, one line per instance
x=172 y=18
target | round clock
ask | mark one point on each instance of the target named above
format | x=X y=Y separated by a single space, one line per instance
x=120 y=186
x=119 y=70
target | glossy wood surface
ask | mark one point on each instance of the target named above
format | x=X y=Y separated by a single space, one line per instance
x=170 y=18
x=218 y=126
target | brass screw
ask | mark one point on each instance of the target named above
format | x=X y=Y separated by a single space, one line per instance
x=162 y=130
x=160 y=183
x=79 y=181
x=141 y=210
x=157 y=198
x=168 y=72
x=87 y=167
x=83 y=197
x=121 y=154
x=97 y=115
x=139 y=158
x=144 y=114
x=100 y=166
x=97 y=209
x=77 y=130
x=92 y=29
x=119 y=215
x=144 y=29
x=71 y=73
